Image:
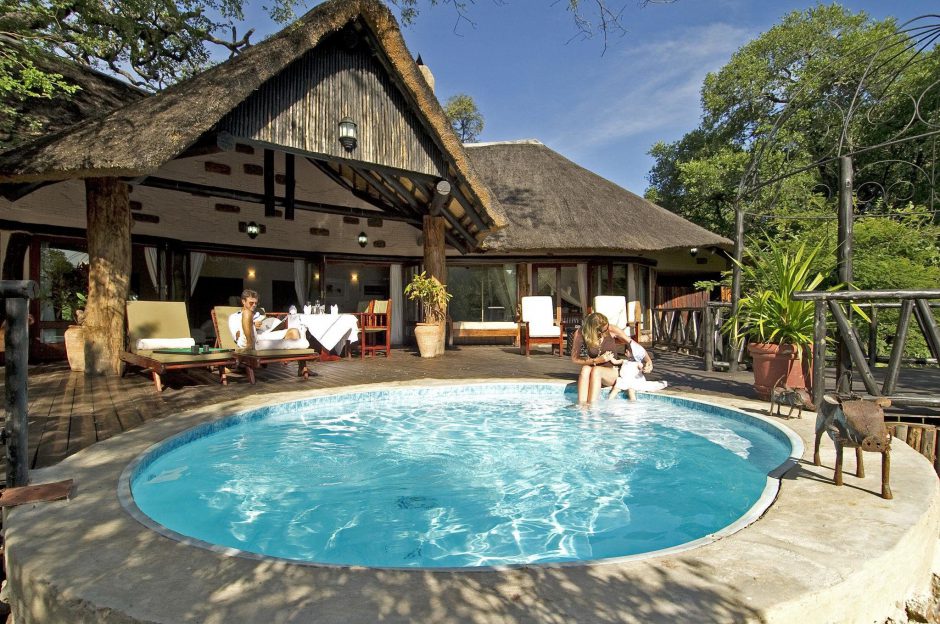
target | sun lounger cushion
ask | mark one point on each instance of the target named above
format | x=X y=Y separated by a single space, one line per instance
x=264 y=340
x=164 y=343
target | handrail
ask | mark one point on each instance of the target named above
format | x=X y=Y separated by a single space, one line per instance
x=911 y=302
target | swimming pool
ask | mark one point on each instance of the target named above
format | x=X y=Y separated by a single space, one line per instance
x=461 y=477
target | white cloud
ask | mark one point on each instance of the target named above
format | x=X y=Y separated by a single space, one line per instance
x=654 y=88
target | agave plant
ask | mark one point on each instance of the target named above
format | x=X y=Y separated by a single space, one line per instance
x=766 y=313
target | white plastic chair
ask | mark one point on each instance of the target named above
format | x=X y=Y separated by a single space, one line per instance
x=539 y=326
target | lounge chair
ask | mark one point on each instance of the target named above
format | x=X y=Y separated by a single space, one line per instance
x=615 y=308
x=157 y=328
x=271 y=352
x=539 y=325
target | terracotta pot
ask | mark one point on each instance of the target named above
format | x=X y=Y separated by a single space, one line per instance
x=428 y=336
x=75 y=347
x=773 y=361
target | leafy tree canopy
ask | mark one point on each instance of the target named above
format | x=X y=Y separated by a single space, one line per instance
x=465 y=117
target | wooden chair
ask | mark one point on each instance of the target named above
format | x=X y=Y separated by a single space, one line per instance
x=154 y=326
x=253 y=360
x=539 y=325
x=376 y=326
x=615 y=308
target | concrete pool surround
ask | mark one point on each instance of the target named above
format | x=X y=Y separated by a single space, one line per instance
x=820 y=553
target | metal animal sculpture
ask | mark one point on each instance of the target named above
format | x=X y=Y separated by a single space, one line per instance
x=855 y=423
x=795 y=398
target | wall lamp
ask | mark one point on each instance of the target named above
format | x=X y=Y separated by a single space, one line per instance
x=347 y=134
x=251 y=228
x=363 y=239
x=693 y=252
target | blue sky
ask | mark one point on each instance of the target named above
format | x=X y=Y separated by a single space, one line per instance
x=603 y=111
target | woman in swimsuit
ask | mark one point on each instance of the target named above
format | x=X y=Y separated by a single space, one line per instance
x=599 y=339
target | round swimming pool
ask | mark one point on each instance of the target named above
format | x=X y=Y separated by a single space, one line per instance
x=461 y=477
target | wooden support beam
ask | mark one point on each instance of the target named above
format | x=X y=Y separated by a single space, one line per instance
x=897 y=349
x=269 y=183
x=203 y=190
x=468 y=208
x=290 y=185
x=109 y=253
x=435 y=261
x=388 y=206
x=212 y=143
x=819 y=351
x=853 y=348
x=928 y=326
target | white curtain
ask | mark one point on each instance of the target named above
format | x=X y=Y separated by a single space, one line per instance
x=196 y=260
x=301 y=281
x=155 y=269
x=395 y=289
x=583 y=286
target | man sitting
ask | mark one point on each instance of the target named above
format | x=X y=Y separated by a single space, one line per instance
x=252 y=332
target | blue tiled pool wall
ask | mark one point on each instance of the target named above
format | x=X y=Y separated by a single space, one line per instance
x=569 y=391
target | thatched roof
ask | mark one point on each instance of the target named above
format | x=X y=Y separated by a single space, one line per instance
x=138 y=138
x=554 y=205
x=97 y=94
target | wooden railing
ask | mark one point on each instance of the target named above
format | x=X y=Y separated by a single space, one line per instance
x=853 y=356
x=696 y=331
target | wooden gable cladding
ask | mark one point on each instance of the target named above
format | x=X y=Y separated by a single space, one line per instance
x=300 y=109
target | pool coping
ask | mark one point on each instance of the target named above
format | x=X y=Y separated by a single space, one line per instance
x=820 y=554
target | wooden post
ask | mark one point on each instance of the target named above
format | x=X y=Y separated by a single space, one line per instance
x=708 y=333
x=435 y=261
x=819 y=351
x=844 y=249
x=736 y=279
x=17 y=294
x=109 y=252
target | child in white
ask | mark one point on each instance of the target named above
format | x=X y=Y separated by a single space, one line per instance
x=635 y=363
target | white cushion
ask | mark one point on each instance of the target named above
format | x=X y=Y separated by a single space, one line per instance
x=484 y=325
x=544 y=331
x=614 y=308
x=148 y=344
x=538 y=310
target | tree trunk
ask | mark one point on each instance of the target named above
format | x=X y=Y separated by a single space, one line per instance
x=109 y=252
x=435 y=262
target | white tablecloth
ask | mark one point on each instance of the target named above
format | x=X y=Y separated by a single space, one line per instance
x=332 y=331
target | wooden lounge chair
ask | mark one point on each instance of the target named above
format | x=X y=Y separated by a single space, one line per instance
x=259 y=358
x=539 y=325
x=155 y=326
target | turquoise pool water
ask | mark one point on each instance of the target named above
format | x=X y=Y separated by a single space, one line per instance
x=460 y=477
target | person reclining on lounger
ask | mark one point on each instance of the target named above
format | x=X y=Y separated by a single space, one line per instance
x=635 y=363
x=252 y=333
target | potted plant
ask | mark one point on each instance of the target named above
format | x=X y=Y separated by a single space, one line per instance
x=433 y=297
x=779 y=330
x=75 y=336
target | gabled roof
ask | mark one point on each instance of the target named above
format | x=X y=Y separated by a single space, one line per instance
x=554 y=205
x=138 y=138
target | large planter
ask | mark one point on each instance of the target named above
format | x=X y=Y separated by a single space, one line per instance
x=772 y=361
x=430 y=338
x=75 y=347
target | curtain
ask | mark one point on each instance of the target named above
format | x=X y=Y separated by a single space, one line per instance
x=196 y=260
x=301 y=281
x=155 y=269
x=395 y=289
x=507 y=291
x=583 y=286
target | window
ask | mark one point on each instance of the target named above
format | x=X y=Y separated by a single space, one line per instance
x=482 y=293
x=63 y=286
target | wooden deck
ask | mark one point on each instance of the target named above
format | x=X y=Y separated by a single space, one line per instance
x=69 y=411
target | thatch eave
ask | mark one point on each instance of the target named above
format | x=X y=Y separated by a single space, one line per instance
x=142 y=136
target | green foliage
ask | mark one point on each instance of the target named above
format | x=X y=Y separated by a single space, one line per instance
x=431 y=294
x=464 y=117
x=63 y=285
x=771 y=273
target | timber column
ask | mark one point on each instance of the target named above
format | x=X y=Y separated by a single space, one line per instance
x=109 y=253
x=435 y=259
